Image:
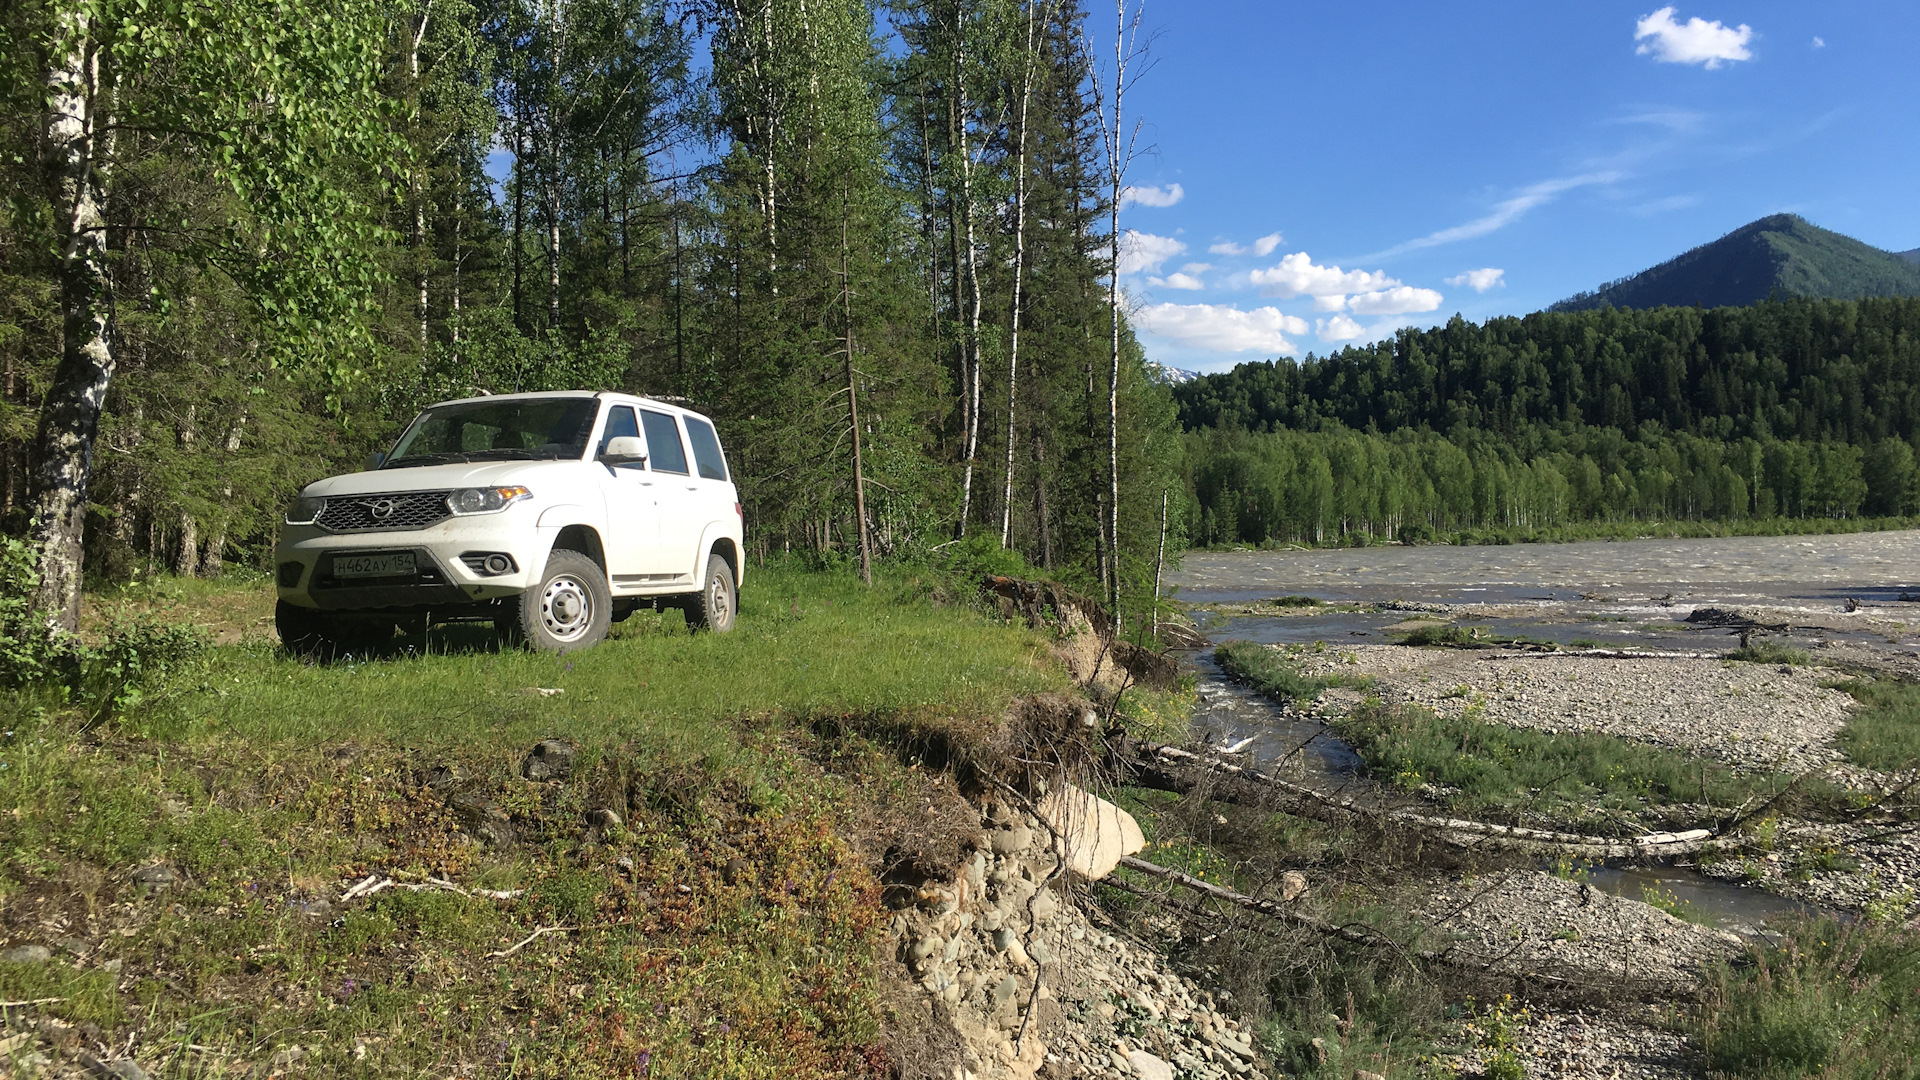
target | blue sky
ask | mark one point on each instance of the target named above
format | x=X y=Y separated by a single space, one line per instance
x=1347 y=168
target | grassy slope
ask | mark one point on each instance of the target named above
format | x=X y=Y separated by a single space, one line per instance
x=724 y=929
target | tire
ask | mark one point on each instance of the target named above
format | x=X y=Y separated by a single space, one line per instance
x=570 y=608
x=303 y=631
x=326 y=636
x=713 y=607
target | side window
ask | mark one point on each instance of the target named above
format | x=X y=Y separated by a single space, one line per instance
x=620 y=422
x=706 y=449
x=663 y=443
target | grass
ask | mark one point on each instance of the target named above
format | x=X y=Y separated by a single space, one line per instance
x=1884 y=733
x=725 y=926
x=1591 y=781
x=1837 y=1000
x=1273 y=674
x=1768 y=652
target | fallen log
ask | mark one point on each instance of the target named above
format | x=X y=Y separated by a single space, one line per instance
x=1459 y=831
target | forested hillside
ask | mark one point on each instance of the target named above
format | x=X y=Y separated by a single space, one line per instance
x=1789 y=409
x=1783 y=255
x=240 y=248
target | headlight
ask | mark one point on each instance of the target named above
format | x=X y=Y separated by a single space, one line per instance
x=304 y=511
x=486 y=500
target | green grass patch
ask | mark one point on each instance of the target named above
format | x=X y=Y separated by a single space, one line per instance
x=1597 y=782
x=724 y=926
x=1769 y=652
x=1274 y=673
x=1884 y=733
x=1839 y=1000
x=1295 y=602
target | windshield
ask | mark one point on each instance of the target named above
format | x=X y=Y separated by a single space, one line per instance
x=524 y=428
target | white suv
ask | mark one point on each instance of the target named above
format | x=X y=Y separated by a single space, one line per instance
x=550 y=515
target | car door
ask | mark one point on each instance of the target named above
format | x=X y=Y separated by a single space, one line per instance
x=675 y=493
x=633 y=513
x=715 y=488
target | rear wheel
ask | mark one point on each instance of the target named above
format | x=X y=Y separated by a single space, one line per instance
x=712 y=608
x=568 y=609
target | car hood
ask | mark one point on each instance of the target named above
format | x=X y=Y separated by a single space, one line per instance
x=436 y=477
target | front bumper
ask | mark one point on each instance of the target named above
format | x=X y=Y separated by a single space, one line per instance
x=305 y=574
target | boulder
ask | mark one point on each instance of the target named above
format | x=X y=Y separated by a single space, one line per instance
x=1093 y=834
x=550 y=759
x=1148 y=1066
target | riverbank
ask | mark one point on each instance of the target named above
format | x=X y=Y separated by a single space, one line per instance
x=667 y=856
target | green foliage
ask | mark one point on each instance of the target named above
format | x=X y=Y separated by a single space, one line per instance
x=1833 y=999
x=1769 y=652
x=1540 y=426
x=1274 y=673
x=1502 y=771
x=139 y=660
x=1884 y=732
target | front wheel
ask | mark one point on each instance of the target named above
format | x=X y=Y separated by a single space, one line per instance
x=570 y=608
x=712 y=608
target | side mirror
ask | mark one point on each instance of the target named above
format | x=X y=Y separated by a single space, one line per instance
x=624 y=450
x=376 y=459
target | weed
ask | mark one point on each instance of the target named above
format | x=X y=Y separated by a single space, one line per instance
x=1275 y=675
x=1668 y=901
x=1768 y=652
x=1577 y=777
x=1884 y=733
x=1295 y=602
x=1831 y=999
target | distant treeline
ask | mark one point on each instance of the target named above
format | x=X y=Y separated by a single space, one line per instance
x=1792 y=409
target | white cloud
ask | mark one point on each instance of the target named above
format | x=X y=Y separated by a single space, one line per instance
x=1338 y=328
x=1819 y=42
x=1296 y=275
x=1221 y=328
x=1196 y=268
x=1395 y=301
x=1504 y=213
x=1330 y=302
x=1152 y=196
x=1144 y=252
x=1261 y=247
x=1177 y=281
x=1479 y=280
x=1695 y=41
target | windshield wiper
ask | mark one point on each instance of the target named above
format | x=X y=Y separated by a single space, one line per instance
x=412 y=460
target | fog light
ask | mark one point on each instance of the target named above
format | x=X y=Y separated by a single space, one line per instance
x=498 y=564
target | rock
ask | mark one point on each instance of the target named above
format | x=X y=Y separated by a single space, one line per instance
x=1365 y=1075
x=550 y=759
x=1293 y=885
x=1012 y=841
x=925 y=947
x=288 y=1056
x=1148 y=1066
x=604 y=818
x=483 y=820
x=735 y=871
x=318 y=909
x=121 y=1069
x=1095 y=833
x=1004 y=990
x=154 y=878
x=27 y=954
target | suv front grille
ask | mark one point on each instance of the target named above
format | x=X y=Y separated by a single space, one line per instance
x=386 y=512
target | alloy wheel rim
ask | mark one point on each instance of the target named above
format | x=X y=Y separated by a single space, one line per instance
x=566 y=608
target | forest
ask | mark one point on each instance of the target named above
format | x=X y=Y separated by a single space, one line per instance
x=1787 y=409
x=875 y=242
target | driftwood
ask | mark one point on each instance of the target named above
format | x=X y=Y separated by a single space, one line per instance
x=1307 y=802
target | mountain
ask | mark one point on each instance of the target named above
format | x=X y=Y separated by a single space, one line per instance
x=1171 y=376
x=1781 y=255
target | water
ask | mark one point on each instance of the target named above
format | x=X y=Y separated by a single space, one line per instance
x=1625 y=595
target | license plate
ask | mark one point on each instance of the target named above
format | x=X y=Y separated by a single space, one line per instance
x=378 y=564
